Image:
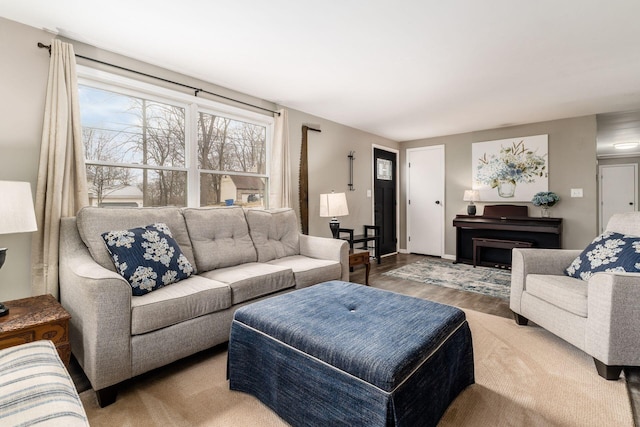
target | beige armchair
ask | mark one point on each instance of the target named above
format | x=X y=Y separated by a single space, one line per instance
x=600 y=316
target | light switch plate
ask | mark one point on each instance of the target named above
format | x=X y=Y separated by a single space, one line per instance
x=576 y=192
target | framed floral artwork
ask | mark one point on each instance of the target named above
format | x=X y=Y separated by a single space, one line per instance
x=510 y=170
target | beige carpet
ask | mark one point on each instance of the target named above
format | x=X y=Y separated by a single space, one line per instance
x=524 y=377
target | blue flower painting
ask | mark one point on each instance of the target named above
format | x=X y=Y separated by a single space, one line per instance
x=510 y=169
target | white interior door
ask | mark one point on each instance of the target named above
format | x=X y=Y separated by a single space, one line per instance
x=425 y=200
x=618 y=191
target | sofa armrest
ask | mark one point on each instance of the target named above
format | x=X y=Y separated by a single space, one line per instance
x=613 y=318
x=542 y=261
x=327 y=248
x=536 y=261
x=99 y=301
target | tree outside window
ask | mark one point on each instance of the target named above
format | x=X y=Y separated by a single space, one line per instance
x=137 y=153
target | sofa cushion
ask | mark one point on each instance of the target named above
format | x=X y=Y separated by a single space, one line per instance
x=275 y=233
x=220 y=237
x=92 y=222
x=253 y=280
x=188 y=299
x=148 y=257
x=612 y=252
x=564 y=292
x=309 y=271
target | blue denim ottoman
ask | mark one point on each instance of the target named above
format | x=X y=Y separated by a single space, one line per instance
x=339 y=353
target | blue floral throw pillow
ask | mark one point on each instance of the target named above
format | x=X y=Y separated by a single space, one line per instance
x=613 y=252
x=148 y=257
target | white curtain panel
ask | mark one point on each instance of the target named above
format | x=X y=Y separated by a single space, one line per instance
x=62 y=184
x=280 y=175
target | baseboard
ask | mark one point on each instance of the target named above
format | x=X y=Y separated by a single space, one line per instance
x=445 y=256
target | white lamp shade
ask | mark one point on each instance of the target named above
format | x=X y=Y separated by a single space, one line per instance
x=333 y=204
x=471 y=195
x=16 y=208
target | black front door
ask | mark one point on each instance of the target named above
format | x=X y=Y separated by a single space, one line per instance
x=384 y=170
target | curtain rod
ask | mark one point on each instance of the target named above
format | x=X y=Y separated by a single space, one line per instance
x=48 y=47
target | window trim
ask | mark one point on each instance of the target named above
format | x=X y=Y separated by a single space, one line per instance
x=192 y=104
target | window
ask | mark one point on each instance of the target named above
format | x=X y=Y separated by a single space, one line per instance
x=149 y=146
x=234 y=147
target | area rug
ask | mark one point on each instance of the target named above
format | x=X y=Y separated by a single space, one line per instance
x=435 y=271
x=525 y=376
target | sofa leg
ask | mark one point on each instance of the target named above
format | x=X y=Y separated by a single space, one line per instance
x=106 y=396
x=520 y=319
x=606 y=371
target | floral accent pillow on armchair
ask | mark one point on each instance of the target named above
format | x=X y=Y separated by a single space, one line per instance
x=148 y=257
x=612 y=252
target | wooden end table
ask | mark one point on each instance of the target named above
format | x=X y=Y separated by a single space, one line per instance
x=360 y=257
x=36 y=318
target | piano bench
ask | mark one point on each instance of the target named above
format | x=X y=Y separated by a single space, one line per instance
x=483 y=242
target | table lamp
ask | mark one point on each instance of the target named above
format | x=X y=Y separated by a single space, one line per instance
x=471 y=196
x=333 y=205
x=16 y=215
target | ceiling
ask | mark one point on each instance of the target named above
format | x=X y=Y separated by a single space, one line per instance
x=402 y=69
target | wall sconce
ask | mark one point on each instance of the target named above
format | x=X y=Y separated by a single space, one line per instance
x=351 y=159
x=471 y=196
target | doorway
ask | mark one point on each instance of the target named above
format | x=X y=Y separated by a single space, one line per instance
x=385 y=199
x=618 y=190
x=425 y=200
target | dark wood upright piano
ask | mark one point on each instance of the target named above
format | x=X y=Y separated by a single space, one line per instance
x=509 y=222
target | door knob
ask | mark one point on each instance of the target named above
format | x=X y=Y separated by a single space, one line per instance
x=437 y=202
x=630 y=203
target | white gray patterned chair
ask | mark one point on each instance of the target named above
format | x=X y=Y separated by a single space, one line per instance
x=600 y=316
x=36 y=389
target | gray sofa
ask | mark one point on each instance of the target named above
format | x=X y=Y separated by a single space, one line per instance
x=599 y=316
x=239 y=257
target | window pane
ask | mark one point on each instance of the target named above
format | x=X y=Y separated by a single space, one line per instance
x=119 y=128
x=230 y=145
x=218 y=189
x=137 y=152
x=116 y=186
